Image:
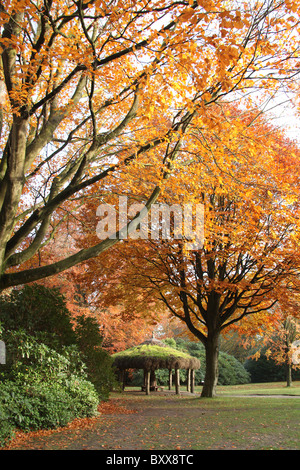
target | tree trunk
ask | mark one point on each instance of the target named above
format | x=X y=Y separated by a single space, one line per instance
x=212 y=368
x=288 y=375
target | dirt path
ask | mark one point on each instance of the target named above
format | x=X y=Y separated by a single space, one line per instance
x=122 y=425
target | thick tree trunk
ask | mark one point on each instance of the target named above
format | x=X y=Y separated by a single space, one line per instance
x=211 y=362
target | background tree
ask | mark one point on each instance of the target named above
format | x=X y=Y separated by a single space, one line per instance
x=80 y=83
x=277 y=343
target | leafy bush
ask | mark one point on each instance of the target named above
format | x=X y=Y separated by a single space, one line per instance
x=231 y=371
x=41 y=312
x=42 y=388
x=98 y=361
x=84 y=396
x=44 y=405
x=37 y=308
x=31 y=361
x=6 y=424
x=52 y=374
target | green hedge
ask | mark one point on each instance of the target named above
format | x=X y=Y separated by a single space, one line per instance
x=44 y=405
x=41 y=313
x=41 y=388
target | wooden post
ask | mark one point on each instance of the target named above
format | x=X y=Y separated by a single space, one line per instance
x=192 y=381
x=188 y=380
x=147 y=384
x=170 y=379
x=153 y=383
x=123 y=378
x=177 y=381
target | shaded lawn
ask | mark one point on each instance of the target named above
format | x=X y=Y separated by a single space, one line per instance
x=164 y=421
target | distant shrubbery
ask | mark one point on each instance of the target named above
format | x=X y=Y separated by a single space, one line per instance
x=265 y=369
x=53 y=373
x=231 y=371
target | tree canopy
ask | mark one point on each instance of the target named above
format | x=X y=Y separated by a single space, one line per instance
x=89 y=88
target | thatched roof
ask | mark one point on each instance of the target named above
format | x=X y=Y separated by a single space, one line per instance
x=153 y=355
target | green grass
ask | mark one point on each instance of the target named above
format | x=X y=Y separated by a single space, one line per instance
x=269 y=388
x=268 y=421
x=272 y=388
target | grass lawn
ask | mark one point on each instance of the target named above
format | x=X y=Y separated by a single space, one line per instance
x=272 y=388
x=236 y=419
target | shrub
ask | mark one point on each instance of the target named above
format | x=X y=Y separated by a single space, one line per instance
x=44 y=405
x=6 y=424
x=41 y=312
x=42 y=388
x=98 y=361
x=37 y=308
x=231 y=371
x=31 y=361
x=84 y=396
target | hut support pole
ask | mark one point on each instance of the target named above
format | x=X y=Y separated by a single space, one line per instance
x=177 y=381
x=170 y=379
x=123 y=378
x=147 y=384
x=192 y=380
x=188 y=380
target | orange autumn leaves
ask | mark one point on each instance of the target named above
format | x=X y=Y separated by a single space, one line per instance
x=103 y=100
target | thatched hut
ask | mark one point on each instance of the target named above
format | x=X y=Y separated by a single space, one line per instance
x=152 y=355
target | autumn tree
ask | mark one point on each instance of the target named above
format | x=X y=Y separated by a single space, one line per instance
x=279 y=338
x=80 y=82
x=251 y=234
x=281 y=346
